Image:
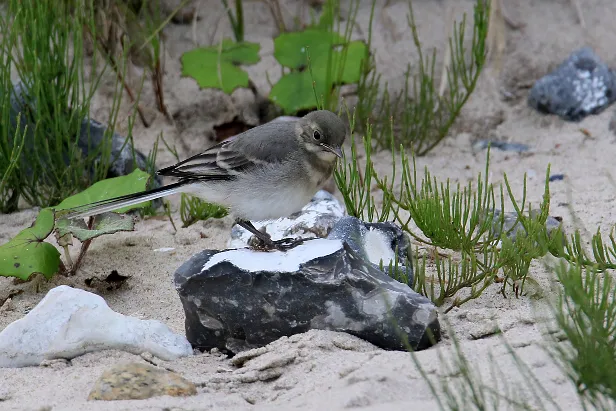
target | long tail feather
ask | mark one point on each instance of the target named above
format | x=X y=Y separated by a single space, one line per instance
x=111 y=204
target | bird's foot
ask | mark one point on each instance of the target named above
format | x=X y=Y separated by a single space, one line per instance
x=262 y=241
x=285 y=244
x=288 y=243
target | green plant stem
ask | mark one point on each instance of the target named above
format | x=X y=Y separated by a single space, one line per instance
x=237 y=20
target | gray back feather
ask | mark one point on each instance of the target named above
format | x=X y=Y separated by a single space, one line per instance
x=269 y=142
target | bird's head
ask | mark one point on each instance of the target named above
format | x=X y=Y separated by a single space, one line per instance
x=323 y=134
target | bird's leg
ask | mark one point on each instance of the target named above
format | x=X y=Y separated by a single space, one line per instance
x=265 y=238
x=268 y=244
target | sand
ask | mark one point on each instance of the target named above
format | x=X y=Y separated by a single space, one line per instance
x=334 y=371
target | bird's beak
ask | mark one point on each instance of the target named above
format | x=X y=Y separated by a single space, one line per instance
x=336 y=150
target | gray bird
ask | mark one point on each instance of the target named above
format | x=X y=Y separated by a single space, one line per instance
x=267 y=172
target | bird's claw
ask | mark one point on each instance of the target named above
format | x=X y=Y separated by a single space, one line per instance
x=288 y=243
x=284 y=244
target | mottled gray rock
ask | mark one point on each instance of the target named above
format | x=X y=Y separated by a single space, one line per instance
x=580 y=86
x=377 y=243
x=69 y=322
x=236 y=300
x=91 y=136
x=316 y=219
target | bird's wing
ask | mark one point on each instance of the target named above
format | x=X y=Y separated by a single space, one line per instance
x=266 y=144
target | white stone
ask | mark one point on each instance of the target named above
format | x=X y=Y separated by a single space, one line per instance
x=378 y=247
x=69 y=322
x=164 y=249
x=276 y=261
x=302 y=225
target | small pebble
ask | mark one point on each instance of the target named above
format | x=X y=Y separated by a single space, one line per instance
x=136 y=381
x=501 y=145
x=57 y=364
x=7 y=306
x=485 y=330
x=164 y=249
x=187 y=237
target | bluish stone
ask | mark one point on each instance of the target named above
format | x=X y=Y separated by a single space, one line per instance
x=580 y=86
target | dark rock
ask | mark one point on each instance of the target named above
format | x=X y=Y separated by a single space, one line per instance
x=92 y=136
x=236 y=300
x=580 y=86
x=557 y=177
x=377 y=243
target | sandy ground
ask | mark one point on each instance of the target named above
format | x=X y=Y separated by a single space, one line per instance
x=336 y=371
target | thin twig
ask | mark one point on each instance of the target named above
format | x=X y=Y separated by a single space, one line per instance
x=580 y=14
x=496 y=40
x=447 y=58
x=83 y=250
x=168 y=210
x=67 y=255
x=157 y=83
x=62 y=269
x=218 y=66
x=276 y=12
x=194 y=24
x=115 y=67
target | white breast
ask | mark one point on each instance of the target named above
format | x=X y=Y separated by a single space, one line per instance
x=283 y=202
x=256 y=197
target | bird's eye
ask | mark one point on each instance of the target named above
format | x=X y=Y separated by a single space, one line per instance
x=316 y=135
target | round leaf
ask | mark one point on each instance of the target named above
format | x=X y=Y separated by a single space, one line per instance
x=218 y=68
x=356 y=51
x=333 y=61
x=239 y=53
x=294 y=91
x=204 y=68
x=106 y=223
x=292 y=49
x=27 y=253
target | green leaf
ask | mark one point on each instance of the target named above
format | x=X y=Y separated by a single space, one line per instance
x=356 y=53
x=106 y=223
x=239 y=53
x=294 y=91
x=112 y=187
x=27 y=253
x=292 y=49
x=214 y=67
